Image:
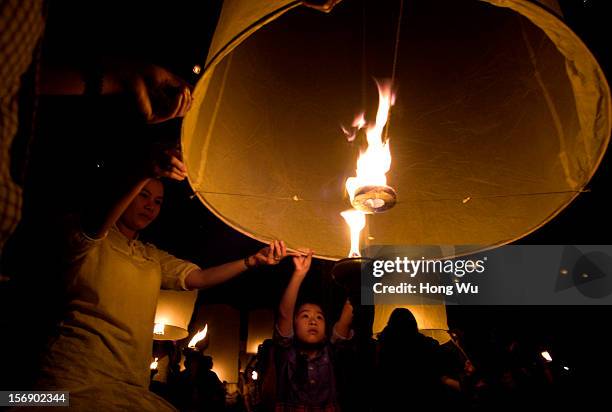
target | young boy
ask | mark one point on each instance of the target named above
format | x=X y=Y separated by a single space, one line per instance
x=304 y=357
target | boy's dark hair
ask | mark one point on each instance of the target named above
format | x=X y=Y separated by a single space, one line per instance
x=310 y=301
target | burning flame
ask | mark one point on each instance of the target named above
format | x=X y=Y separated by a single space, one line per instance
x=198 y=337
x=546 y=356
x=154 y=364
x=356 y=221
x=357 y=124
x=158 y=328
x=376 y=160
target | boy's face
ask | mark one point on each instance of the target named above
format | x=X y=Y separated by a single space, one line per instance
x=309 y=324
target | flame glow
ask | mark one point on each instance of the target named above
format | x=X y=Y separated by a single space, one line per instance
x=198 y=337
x=154 y=364
x=376 y=160
x=546 y=356
x=357 y=125
x=158 y=328
x=356 y=221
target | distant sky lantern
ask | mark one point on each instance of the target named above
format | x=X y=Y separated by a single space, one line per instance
x=173 y=313
x=260 y=328
x=224 y=338
x=492 y=135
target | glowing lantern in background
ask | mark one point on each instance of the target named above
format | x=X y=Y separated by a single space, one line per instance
x=261 y=327
x=224 y=341
x=174 y=310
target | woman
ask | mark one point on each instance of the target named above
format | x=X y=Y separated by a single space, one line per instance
x=102 y=351
x=408 y=375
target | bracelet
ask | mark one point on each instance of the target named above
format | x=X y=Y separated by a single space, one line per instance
x=246 y=263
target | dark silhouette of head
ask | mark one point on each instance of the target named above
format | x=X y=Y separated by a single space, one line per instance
x=206 y=362
x=402 y=325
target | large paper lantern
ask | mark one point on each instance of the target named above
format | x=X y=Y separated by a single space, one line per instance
x=260 y=328
x=224 y=338
x=502 y=116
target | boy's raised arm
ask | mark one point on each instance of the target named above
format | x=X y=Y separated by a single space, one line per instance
x=287 y=303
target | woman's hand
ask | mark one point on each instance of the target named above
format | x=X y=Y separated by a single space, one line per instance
x=322 y=5
x=168 y=165
x=159 y=94
x=302 y=263
x=270 y=255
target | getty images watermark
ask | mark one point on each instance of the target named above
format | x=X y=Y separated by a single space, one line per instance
x=508 y=275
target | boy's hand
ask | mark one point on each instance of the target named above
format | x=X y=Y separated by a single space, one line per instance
x=302 y=263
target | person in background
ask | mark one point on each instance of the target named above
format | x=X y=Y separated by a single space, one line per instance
x=408 y=367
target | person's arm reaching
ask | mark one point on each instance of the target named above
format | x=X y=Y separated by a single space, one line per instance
x=98 y=220
x=205 y=278
x=342 y=328
x=159 y=95
x=287 y=303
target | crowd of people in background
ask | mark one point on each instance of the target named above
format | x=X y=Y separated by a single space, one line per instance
x=399 y=369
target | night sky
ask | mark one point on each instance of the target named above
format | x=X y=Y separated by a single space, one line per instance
x=79 y=143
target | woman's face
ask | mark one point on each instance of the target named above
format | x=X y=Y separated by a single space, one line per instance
x=309 y=324
x=145 y=206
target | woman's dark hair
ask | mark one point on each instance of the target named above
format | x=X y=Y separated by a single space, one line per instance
x=402 y=325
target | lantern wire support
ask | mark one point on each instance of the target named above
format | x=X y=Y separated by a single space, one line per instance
x=296 y=198
x=395 y=59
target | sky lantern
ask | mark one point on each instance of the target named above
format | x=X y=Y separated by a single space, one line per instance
x=495 y=118
x=501 y=117
x=173 y=313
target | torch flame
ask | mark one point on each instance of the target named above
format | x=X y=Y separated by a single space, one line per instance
x=154 y=364
x=376 y=160
x=356 y=221
x=198 y=337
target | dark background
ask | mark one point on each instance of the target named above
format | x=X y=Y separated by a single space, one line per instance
x=80 y=143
